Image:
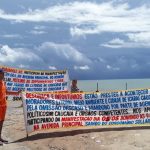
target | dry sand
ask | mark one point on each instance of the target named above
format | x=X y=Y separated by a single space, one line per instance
x=131 y=138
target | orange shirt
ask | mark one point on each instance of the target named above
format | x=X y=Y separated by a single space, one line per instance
x=2 y=93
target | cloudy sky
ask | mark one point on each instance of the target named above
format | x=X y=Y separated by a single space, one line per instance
x=93 y=39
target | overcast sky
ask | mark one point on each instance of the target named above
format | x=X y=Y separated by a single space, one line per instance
x=93 y=39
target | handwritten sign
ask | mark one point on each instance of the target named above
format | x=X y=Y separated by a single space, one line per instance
x=63 y=110
x=36 y=81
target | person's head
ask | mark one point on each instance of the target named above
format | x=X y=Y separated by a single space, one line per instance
x=74 y=82
x=1 y=74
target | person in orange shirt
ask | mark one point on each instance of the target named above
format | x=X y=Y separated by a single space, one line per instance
x=3 y=103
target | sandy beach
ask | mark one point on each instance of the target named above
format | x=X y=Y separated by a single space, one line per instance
x=135 y=138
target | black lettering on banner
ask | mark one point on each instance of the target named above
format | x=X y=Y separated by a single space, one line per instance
x=35 y=114
x=136 y=110
x=64 y=113
x=17 y=98
x=113 y=112
x=147 y=109
x=57 y=119
x=72 y=110
x=40 y=120
x=85 y=113
x=7 y=79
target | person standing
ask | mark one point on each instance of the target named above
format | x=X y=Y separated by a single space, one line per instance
x=74 y=87
x=3 y=103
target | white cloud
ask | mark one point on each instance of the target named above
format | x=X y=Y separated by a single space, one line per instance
x=11 y=36
x=48 y=56
x=116 y=41
x=125 y=45
x=90 y=18
x=139 y=37
x=135 y=40
x=16 y=55
x=86 y=67
x=64 y=52
x=52 y=68
x=112 y=68
x=77 y=31
x=37 y=32
x=39 y=27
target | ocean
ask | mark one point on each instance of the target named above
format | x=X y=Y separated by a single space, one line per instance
x=117 y=84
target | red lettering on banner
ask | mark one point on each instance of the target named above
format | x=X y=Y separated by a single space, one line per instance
x=68 y=96
x=59 y=80
x=71 y=124
x=27 y=81
x=96 y=118
x=40 y=96
x=20 y=71
x=50 y=125
x=42 y=81
x=36 y=127
x=12 y=70
x=129 y=117
x=105 y=118
x=18 y=80
x=66 y=119
x=114 y=118
x=142 y=116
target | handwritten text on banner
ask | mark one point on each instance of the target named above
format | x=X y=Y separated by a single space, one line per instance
x=36 y=81
x=63 y=110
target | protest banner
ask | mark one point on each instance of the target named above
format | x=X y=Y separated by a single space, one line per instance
x=63 y=110
x=36 y=81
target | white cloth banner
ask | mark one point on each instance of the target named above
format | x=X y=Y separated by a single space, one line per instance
x=63 y=110
x=36 y=81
